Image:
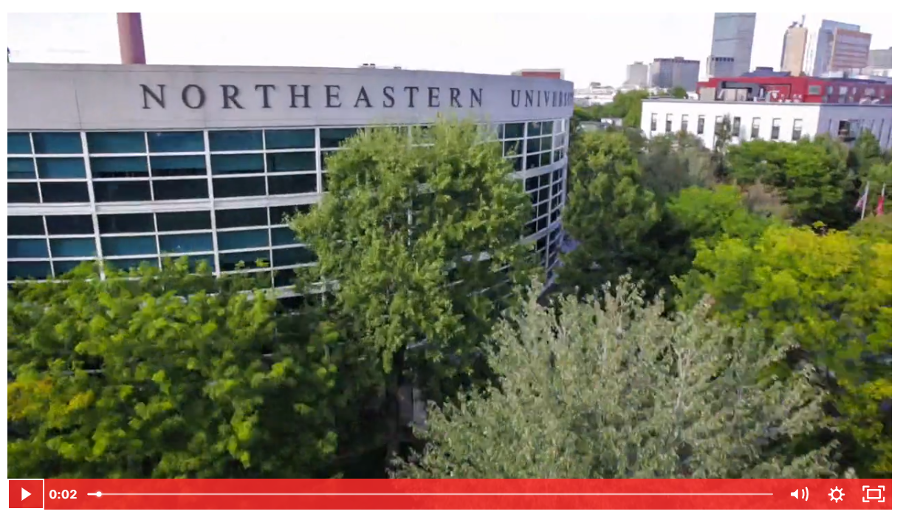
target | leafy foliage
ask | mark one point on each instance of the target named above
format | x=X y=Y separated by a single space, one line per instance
x=613 y=388
x=625 y=105
x=162 y=374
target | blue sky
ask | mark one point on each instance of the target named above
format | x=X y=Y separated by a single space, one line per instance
x=589 y=46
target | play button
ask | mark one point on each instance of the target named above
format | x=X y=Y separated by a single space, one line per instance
x=25 y=494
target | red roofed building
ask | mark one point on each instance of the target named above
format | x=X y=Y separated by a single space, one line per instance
x=782 y=87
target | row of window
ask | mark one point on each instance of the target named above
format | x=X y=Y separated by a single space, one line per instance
x=546 y=193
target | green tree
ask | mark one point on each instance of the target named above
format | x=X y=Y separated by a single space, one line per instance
x=678 y=92
x=162 y=374
x=613 y=388
x=674 y=161
x=832 y=292
x=710 y=215
x=420 y=237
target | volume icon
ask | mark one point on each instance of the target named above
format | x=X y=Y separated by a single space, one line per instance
x=804 y=494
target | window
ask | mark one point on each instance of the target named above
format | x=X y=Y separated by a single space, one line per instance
x=57 y=143
x=533 y=145
x=284 y=278
x=26 y=248
x=25 y=225
x=178 y=166
x=776 y=128
x=293 y=256
x=183 y=243
x=179 y=221
x=64 y=192
x=118 y=191
x=333 y=137
x=239 y=187
x=61 y=168
x=129 y=264
x=125 y=223
x=299 y=183
x=830 y=90
x=652 y=122
x=668 y=123
x=755 y=128
x=22 y=193
x=289 y=139
x=282 y=236
x=73 y=247
x=242 y=239
x=113 y=246
x=534 y=129
x=546 y=128
x=842 y=90
x=119 y=167
x=116 y=142
x=28 y=270
x=18 y=144
x=532 y=162
x=180 y=189
x=241 y=218
x=736 y=127
x=175 y=141
x=237 y=164
x=69 y=225
x=684 y=121
x=20 y=168
x=814 y=90
x=235 y=140
x=797 y=129
x=515 y=130
x=230 y=261
x=278 y=215
x=284 y=162
x=513 y=147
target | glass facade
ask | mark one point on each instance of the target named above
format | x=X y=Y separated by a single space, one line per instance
x=223 y=196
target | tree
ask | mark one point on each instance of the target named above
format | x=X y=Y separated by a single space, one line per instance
x=832 y=292
x=613 y=388
x=162 y=374
x=674 y=161
x=420 y=238
x=710 y=215
x=678 y=92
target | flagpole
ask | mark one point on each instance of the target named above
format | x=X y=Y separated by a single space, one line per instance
x=865 y=202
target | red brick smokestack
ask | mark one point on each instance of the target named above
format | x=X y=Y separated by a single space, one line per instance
x=131 y=40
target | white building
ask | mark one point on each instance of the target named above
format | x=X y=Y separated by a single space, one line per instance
x=786 y=122
x=594 y=95
x=733 y=38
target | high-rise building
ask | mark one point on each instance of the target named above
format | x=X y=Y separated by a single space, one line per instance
x=879 y=62
x=733 y=38
x=638 y=74
x=720 y=67
x=672 y=72
x=850 y=51
x=820 y=44
x=794 y=49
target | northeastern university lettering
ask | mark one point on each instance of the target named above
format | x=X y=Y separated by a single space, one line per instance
x=267 y=96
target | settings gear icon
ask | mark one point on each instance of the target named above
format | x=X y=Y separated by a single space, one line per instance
x=833 y=492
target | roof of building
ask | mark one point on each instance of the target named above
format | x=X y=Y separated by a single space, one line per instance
x=719 y=101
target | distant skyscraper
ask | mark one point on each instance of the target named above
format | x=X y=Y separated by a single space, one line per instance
x=879 y=62
x=638 y=74
x=820 y=43
x=720 y=67
x=794 y=49
x=672 y=72
x=733 y=38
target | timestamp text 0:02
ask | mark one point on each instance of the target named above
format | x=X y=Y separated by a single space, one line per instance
x=66 y=494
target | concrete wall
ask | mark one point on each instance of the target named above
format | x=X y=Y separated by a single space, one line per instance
x=815 y=118
x=98 y=97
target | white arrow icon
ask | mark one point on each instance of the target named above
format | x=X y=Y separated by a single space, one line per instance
x=25 y=494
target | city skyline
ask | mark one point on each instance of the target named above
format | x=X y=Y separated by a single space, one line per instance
x=280 y=41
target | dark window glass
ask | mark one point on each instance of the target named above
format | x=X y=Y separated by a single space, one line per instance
x=545 y=158
x=289 y=139
x=543 y=192
x=125 y=223
x=282 y=236
x=22 y=193
x=736 y=127
x=284 y=277
x=241 y=218
x=530 y=229
x=64 y=267
x=546 y=143
x=235 y=140
x=533 y=161
x=69 y=225
x=118 y=167
x=237 y=164
x=175 y=141
x=20 y=168
x=72 y=247
x=513 y=147
x=285 y=162
x=57 y=143
x=242 y=239
x=533 y=129
x=237 y=187
x=129 y=264
x=533 y=145
x=176 y=221
x=61 y=168
x=230 y=261
x=547 y=127
x=18 y=144
x=278 y=215
x=515 y=130
x=64 y=192
x=180 y=189
x=517 y=163
x=138 y=245
x=179 y=243
x=293 y=256
x=119 y=191
x=27 y=270
x=293 y=183
x=532 y=183
x=178 y=165
x=542 y=223
x=24 y=248
x=116 y=142
x=333 y=137
x=195 y=260
x=25 y=225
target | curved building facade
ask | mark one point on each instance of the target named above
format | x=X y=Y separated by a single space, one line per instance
x=134 y=163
